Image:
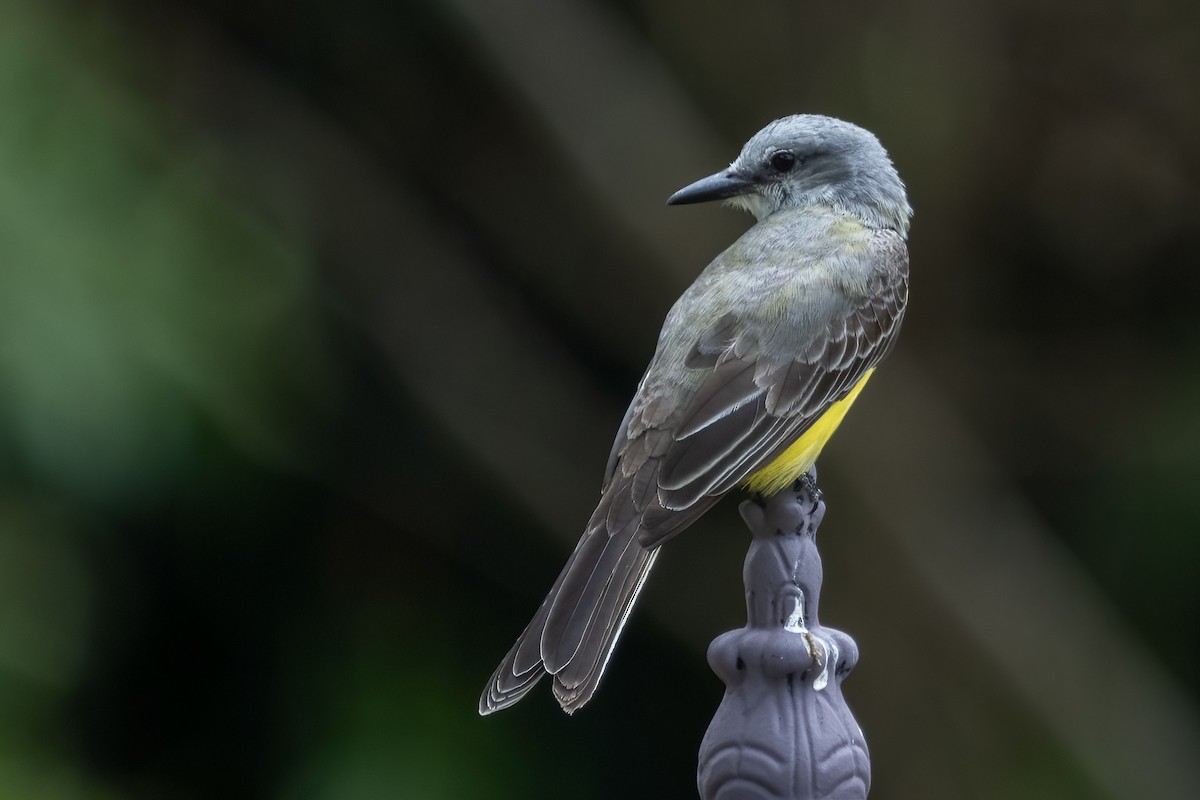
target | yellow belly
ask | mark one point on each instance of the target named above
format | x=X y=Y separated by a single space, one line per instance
x=802 y=454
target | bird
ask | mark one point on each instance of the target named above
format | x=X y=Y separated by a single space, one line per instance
x=756 y=365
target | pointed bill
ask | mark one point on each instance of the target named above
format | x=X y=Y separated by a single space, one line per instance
x=715 y=187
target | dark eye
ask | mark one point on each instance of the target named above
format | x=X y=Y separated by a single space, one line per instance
x=783 y=161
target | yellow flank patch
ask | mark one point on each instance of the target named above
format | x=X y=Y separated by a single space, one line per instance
x=802 y=454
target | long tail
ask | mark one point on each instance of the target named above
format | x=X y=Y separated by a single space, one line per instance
x=577 y=626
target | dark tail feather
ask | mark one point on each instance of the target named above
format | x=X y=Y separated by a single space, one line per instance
x=577 y=626
x=510 y=682
x=588 y=605
x=576 y=682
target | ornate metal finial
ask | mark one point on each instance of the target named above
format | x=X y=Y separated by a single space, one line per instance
x=783 y=729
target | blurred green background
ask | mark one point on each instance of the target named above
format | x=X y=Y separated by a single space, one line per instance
x=316 y=321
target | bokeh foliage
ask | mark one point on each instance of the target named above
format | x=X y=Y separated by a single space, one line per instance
x=315 y=320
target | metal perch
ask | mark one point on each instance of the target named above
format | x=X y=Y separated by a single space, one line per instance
x=783 y=729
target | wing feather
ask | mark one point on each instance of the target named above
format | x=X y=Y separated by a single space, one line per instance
x=685 y=441
x=747 y=411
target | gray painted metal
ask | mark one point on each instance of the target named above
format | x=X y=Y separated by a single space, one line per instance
x=783 y=729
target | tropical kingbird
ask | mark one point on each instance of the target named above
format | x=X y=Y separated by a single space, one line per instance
x=756 y=366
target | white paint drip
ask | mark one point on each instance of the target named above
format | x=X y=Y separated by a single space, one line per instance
x=831 y=654
x=795 y=621
x=829 y=650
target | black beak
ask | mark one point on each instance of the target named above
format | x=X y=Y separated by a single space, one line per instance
x=714 y=187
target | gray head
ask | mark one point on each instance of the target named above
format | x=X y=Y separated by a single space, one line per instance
x=810 y=160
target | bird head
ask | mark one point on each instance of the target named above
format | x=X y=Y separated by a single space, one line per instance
x=806 y=160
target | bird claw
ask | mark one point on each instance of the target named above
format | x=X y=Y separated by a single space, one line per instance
x=807 y=484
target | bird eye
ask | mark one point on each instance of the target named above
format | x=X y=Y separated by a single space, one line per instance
x=783 y=161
